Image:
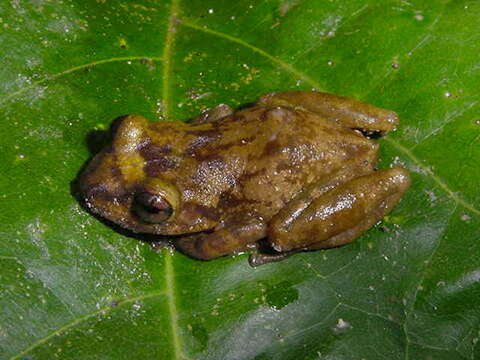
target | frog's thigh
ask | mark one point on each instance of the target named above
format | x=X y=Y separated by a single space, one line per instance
x=342 y=214
x=345 y=111
x=228 y=240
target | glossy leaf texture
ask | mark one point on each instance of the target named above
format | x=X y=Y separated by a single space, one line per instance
x=71 y=287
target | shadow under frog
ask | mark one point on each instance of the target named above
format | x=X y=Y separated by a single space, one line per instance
x=293 y=172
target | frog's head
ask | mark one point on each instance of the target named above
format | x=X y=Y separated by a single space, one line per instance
x=119 y=186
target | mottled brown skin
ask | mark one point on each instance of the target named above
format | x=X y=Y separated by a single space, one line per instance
x=296 y=169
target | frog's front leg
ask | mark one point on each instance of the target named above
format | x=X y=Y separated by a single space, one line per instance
x=346 y=112
x=233 y=237
x=340 y=215
x=211 y=115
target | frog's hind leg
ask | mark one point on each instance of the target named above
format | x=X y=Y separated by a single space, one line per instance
x=231 y=239
x=344 y=111
x=340 y=215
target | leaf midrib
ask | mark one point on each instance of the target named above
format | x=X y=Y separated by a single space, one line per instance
x=169 y=269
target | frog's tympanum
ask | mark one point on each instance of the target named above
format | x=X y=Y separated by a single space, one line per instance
x=294 y=172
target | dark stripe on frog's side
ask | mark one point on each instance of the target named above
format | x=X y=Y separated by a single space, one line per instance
x=158 y=159
x=210 y=139
x=156 y=167
x=202 y=138
x=211 y=132
x=195 y=210
x=100 y=192
x=228 y=200
x=205 y=148
x=150 y=151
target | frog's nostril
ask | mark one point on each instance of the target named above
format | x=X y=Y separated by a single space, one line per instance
x=152 y=208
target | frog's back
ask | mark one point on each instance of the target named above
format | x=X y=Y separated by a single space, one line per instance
x=261 y=157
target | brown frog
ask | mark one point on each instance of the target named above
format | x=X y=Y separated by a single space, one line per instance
x=295 y=170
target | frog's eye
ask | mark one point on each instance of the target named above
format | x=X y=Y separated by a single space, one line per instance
x=152 y=208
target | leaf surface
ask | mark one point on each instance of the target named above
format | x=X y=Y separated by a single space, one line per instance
x=72 y=287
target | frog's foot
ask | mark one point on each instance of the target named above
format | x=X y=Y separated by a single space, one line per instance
x=212 y=115
x=344 y=111
x=340 y=215
x=231 y=239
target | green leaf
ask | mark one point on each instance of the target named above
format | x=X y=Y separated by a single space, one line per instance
x=72 y=287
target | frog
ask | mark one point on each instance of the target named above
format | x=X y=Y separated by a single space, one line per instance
x=295 y=171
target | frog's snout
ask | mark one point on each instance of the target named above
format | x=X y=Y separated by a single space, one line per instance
x=101 y=188
x=104 y=191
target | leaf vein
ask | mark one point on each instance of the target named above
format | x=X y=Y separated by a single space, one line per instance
x=339 y=27
x=49 y=78
x=82 y=319
x=286 y=66
x=447 y=121
x=434 y=177
x=354 y=308
x=324 y=320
